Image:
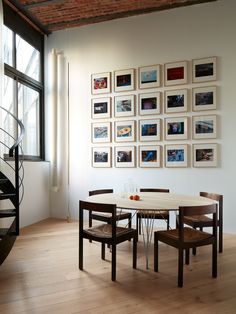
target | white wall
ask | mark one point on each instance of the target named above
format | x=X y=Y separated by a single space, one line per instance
x=180 y=34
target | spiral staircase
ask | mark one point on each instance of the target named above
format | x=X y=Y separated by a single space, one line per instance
x=11 y=181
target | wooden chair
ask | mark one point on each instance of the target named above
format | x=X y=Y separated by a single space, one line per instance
x=147 y=215
x=202 y=221
x=105 y=233
x=106 y=217
x=185 y=238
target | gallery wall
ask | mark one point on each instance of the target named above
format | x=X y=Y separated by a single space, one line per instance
x=188 y=33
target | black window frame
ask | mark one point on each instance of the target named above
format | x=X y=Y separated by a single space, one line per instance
x=36 y=39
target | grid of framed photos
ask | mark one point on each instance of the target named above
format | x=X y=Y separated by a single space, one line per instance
x=156 y=116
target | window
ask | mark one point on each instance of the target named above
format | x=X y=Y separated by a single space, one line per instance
x=23 y=84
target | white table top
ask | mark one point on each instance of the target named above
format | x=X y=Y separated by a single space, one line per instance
x=151 y=200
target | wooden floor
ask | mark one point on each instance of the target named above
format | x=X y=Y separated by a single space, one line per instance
x=41 y=275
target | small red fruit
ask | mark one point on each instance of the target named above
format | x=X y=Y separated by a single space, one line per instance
x=131 y=197
x=136 y=197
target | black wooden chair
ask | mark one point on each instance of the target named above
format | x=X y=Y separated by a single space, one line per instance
x=105 y=233
x=202 y=221
x=185 y=238
x=164 y=215
x=106 y=217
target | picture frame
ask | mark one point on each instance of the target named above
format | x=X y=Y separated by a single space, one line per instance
x=124 y=131
x=176 y=73
x=150 y=156
x=124 y=80
x=125 y=156
x=124 y=106
x=101 y=108
x=176 y=101
x=101 y=132
x=205 y=155
x=176 y=128
x=204 y=98
x=150 y=76
x=149 y=130
x=101 y=157
x=176 y=156
x=101 y=83
x=204 y=127
x=204 y=69
x=150 y=104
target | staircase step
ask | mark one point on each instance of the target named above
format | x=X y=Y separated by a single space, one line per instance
x=4 y=196
x=2 y=181
x=3 y=232
x=7 y=213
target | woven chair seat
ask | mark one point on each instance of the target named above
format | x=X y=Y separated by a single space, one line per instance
x=197 y=218
x=151 y=213
x=105 y=231
x=119 y=214
x=190 y=235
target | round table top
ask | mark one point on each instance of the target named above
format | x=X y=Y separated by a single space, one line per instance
x=151 y=200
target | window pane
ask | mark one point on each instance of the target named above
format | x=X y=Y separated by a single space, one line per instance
x=8 y=45
x=28 y=113
x=27 y=58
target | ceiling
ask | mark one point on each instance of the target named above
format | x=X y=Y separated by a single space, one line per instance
x=48 y=16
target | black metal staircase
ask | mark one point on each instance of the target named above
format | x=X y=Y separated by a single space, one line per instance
x=11 y=185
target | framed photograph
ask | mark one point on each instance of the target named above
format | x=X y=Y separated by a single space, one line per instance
x=150 y=76
x=124 y=131
x=101 y=83
x=101 y=157
x=176 y=128
x=124 y=80
x=101 y=132
x=176 y=101
x=204 y=70
x=205 y=155
x=150 y=130
x=149 y=103
x=204 y=127
x=124 y=106
x=150 y=156
x=176 y=73
x=204 y=98
x=101 y=108
x=176 y=156
x=125 y=156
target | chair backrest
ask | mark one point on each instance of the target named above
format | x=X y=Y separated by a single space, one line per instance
x=103 y=191
x=98 y=207
x=197 y=210
x=154 y=190
x=215 y=197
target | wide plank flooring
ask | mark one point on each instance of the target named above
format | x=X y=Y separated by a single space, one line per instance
x=41 y=275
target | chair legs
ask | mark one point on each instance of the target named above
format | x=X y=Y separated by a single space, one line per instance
x=81 y=253
x=187 y=256
x=180 y=268
x=220 y=238
x=135 y=251
x=103 y=251
x=214 y=260
x=113 y=263
x=155 y=253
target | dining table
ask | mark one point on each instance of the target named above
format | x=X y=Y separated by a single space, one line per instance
x=149 y=202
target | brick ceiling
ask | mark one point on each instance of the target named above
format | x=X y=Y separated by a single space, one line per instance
x=55 y=15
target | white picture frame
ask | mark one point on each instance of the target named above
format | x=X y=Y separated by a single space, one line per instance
x=101 y=157
x=176 y=128
x=125 y=156
x=205 y=155
x=204 y=98
x=101 y=132
x=176 y=101
x=150 y=76
x=176 y=156
x=150 y=104
x=124 y=131
x=204 y=127
x=124 y=80
x=204 y=69
x=149 y=130
x=101 y=108
x=124 y=106
x=101 y=83
x=176 y=73
x=150 y=156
